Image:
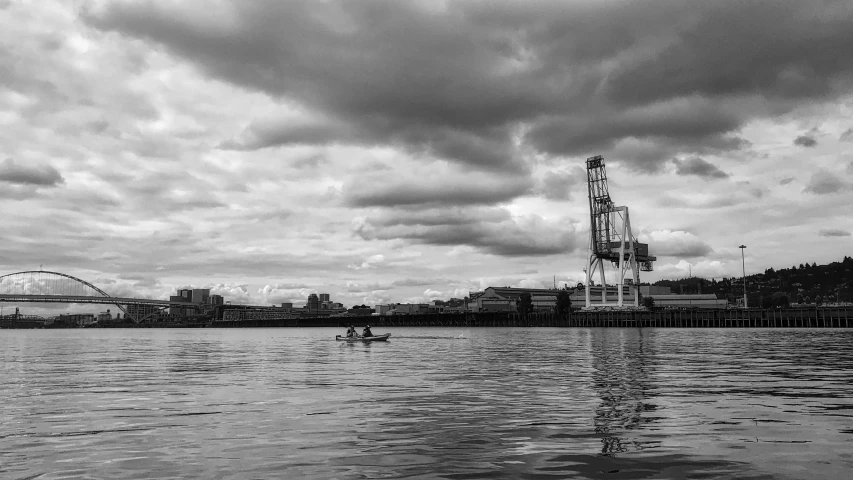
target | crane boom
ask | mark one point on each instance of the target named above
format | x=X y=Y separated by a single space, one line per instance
x=611 y=239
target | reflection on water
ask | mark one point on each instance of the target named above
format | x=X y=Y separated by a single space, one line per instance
x=621 y=380
x=430 y=403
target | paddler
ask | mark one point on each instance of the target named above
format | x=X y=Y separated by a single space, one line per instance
x=366 y=332
x=351 y=331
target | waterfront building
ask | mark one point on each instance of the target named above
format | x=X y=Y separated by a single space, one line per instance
x=198 y=296
x=201 y=296
x=313 y=304
x=408 y=309
x=75 y=319
x=238 y=313
x=383 y=309
x=578 y=295
x=195 y=296
x=435 y=307
x=142 y=311
x=662 y=296
x=707 y=300
x=178 y=310
x=505 y=299
x=242 y=313
x=324 y=297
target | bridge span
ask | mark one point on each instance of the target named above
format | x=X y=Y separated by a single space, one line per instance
x=40 y=286
x=85 y=299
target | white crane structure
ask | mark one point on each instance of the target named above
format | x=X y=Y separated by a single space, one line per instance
x=611 y=239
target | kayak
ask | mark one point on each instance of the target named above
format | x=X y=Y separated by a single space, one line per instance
x=376 y=338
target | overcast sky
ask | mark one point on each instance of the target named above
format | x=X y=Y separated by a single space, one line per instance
x=407 y=151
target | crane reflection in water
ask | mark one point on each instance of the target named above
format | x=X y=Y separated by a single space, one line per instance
x=621 y=376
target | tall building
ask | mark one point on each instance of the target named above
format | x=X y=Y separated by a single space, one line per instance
x=195 y=295
x=313 y=304
x=324 y=297
x=198 y=296
x=177 y=310
x=201 y=295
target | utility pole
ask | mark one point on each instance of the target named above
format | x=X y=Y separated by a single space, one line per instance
x=743 y=261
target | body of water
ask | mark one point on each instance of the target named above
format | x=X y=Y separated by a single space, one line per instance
x=430 y=403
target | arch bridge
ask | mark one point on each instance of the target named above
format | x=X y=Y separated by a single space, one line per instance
x=40 y=286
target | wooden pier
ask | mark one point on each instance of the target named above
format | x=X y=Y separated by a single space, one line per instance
x=815 y=317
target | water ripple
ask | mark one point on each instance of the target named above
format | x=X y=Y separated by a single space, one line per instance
x=430 y=403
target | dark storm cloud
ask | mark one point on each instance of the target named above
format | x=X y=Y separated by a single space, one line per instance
x=679 y=244
x=779 y=50
x=675 y=123
x=272 y=133
x=454 y=190
x=847 y=136
x=449 y=216
x=311 y=161
x=824 y=183
x=487 y=230
x=35 y=175
x=805 y=141
x=456 y=80
x=747 y=188
x=699 y=167
x=560 y=184
x=485 y=147
x=833 y=232
x=686 y=251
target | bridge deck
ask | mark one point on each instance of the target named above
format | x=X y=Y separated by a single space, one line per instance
x=92 y=299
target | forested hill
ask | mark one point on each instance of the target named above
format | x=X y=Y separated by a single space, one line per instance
x=804 y=283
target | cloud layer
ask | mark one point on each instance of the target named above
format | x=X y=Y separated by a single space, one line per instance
x=463 y=81
x=699 y=167
x=833 y=232
x=33 y=175
x=388 y=149
x=493 y=231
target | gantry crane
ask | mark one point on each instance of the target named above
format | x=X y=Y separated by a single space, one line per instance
x=611 y=239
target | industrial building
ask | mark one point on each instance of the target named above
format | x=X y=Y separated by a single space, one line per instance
x=505 y=299
x=578 y=295
x=75 y=319
x=242 y=313
x=143 y=311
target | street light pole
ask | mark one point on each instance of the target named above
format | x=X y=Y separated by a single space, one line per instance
x=743 y=261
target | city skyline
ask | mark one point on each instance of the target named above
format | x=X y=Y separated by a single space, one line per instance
x=410 y=151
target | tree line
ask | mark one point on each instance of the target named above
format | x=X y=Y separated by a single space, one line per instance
x=806 y=283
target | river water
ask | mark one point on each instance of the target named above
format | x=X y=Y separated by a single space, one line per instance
x=430 y=403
